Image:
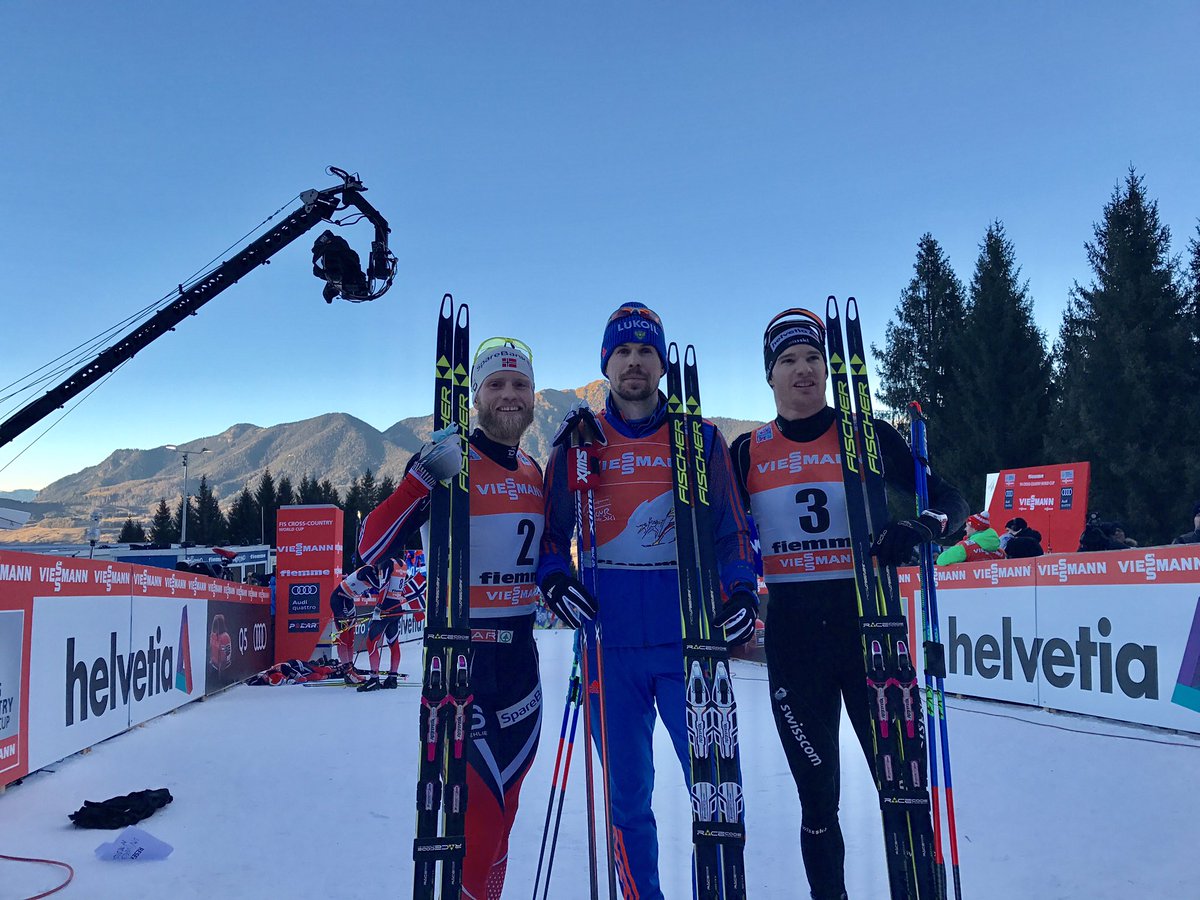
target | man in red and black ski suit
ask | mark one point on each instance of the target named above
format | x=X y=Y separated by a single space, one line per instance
x=401 y=592
x=637 y=580
x=357 y=587
x=506 y=531
x=790 y=475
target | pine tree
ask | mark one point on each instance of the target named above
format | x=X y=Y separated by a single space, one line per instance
x=177 y=520
x=352 y=518
x=210 y=526
x=162 y=527
x=285 y=495
x=327 y=493
x=918 y=362
x=132 y=533
x=1003 y=379
x=1126 y=370
x=265 y=497
x=387 y=486
x=369 y=490
x=309 y=491
x=244 y=525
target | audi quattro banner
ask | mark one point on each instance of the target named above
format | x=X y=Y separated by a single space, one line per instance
x=1052 y=499
x=308 y=563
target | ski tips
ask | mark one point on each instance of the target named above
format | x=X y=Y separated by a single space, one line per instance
x=689 y=356
x=447 y=306
x=672 y=354
x=851 y=308
x=463 y=314
x=831 y=308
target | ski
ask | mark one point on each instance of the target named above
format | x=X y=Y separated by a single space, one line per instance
x=898 y=732
x=445 y=717
x=718 y=822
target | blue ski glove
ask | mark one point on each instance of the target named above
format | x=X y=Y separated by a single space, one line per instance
x=567 y=598
x=738 y=616
x=896 y=542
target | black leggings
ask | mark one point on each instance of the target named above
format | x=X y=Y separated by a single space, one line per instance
x=814 y=661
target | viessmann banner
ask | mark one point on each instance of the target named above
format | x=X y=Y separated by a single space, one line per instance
x=88 y=649
x=1109 y=634
x=1051 y=499
x=308 y=566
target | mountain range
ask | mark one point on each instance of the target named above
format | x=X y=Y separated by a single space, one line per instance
x=337 y=446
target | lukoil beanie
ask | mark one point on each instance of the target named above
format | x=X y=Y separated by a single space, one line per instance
x=633 y=323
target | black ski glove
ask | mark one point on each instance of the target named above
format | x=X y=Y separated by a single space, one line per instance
x=568 y=598
x=896 y=542
x=738 y=616
x=580 y=417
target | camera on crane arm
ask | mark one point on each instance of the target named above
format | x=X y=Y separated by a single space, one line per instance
x=334 y=261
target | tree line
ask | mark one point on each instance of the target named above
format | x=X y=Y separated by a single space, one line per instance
x=250 y=518
x=1119 y=386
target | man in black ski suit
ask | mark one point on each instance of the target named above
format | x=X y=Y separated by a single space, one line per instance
x=790 y=475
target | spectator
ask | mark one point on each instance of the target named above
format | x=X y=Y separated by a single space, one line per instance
x=1098 y=536
x=1192 y=537
x=981 y=542
x=1117 y=534
x=1019 y=541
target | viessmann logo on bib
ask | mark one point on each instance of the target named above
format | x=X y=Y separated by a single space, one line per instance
x=101 y=685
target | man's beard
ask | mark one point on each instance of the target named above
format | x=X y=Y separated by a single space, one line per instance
x=635 y=395
x=505 y=427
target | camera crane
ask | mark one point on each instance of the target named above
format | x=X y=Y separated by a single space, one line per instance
x=333 y=261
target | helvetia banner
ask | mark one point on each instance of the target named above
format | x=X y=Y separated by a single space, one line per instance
x=1112 y=634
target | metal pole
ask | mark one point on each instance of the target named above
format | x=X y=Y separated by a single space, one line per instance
x=183 y=529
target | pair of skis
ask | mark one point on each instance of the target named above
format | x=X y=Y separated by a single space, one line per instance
x=897 y=729
x=718 y=821
x=445 y=720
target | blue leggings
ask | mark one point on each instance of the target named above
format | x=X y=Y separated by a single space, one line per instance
x=637 y=679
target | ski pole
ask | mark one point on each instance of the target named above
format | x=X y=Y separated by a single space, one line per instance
x=932 y=634
x=572 y=685
x=585 y=664
x=562 y=795
x=605 y=771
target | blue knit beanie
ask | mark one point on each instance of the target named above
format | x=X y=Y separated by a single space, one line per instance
x=633 y=323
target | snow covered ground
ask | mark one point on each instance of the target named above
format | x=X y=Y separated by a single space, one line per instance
x=308 y=792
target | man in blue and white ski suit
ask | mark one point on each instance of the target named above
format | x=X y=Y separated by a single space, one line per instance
x=637 y=589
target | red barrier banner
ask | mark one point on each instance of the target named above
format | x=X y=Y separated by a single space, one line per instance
x=16 y=613
x=308 y=566
x=1051 y=499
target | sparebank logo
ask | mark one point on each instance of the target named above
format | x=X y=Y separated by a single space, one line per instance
x=116 y=680
x=1086 y=663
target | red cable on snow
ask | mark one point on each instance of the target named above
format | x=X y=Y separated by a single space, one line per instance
x=45 y=862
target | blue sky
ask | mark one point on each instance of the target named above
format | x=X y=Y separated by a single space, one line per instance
x=544 y=162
